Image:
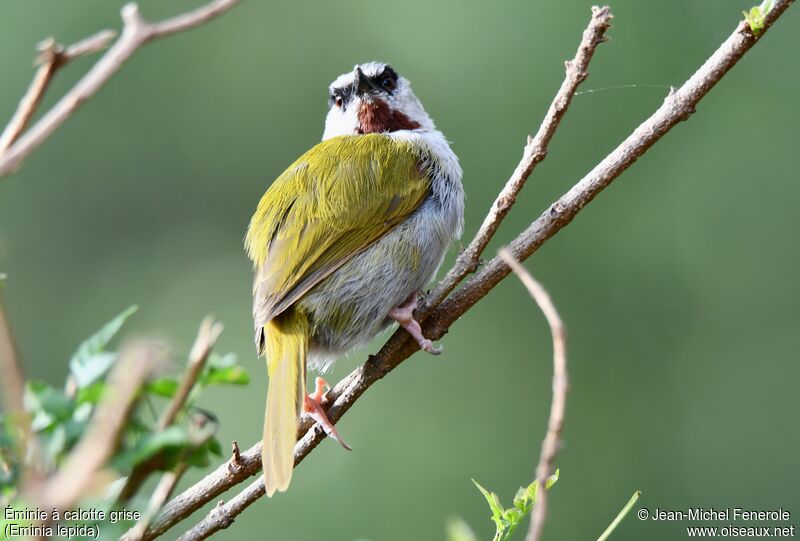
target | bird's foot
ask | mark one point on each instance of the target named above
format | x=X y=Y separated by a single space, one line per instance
x=312 y=406
x=404 y=315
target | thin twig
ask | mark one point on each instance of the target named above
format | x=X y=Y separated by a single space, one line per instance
x=203 y=344
x=160 y=495
x=201 y=429
x=207 y=337
x=13 y=387
x=85 y=462
x=621 y=515
x=136 y=32
x=13 y=378
x=535 y=151
x=52 y=57
x=678 y=106
x=552 y=440
x=235 y=463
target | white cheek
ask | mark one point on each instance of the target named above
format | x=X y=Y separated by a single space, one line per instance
x=340 y=122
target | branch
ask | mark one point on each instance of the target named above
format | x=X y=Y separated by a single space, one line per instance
x=203 y=344
x=12 y=384
x=535 y=151
x=160 y=495
x=52 y=57
x=679 y=105
x=207 y=337
x=13 y=380
x=552 y=440
x=136 y=32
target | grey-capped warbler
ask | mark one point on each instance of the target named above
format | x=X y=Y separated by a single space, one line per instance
x=344 y=240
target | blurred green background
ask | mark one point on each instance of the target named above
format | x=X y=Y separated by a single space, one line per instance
x=679 y=285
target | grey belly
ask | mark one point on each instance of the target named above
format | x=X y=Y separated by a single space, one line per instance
x=351 y=306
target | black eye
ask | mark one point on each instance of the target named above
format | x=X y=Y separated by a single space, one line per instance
x=388 y=83
x=338 y=100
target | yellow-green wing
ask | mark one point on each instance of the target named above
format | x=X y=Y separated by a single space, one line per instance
x=334 y=201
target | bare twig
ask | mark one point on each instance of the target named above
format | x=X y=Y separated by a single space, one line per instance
x=621 y=515
x=52 y=57
x=136 y=32
x=160 y=495
x=203 y=344
x=535 y=151
x=678 y=106
x=85 y=462
x=552 y=440
x=13 y=380
x=235 y=463
x=202 y=429
x=207 y=337
x=12 y=384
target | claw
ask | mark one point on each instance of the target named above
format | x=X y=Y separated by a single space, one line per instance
x=312 y=406
x=404 y=315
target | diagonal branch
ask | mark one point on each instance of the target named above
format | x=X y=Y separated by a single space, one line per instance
x=12 y=386
x=535 y=151
x=678 y=106
x=13 y=380
x=552 y=440
x=206 y=339
x=136 y=32
x=52 y=57
x=203 y=344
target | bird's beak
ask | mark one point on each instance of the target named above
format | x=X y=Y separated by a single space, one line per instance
x=362 y=83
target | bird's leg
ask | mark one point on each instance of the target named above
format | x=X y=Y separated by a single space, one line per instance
x=404 y=315
x=312 y=406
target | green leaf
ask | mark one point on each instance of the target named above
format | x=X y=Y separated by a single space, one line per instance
x=215 y=447
x=171 y=437
x=507 y=520
x=166 y=387
x=171 y=441
x=458 y=530
x=233 y=375
x=493 y=500
x=215 y=360
x=223 y=369
x=90 y=394
x=756 y=18
x=91 y=362
x=198 y=457
x=553 y=479
x=47 y=405
x=57 y=442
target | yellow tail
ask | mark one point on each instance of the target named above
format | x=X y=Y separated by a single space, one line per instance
x=286 y=343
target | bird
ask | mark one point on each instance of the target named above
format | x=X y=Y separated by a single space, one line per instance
x=342 y=243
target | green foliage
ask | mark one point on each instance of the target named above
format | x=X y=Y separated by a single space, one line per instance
x=223 y=369
x=458 y=530
x=91 y=361
x=757 y=16
x=60 y=417
x=507 y=520
x=9 y=467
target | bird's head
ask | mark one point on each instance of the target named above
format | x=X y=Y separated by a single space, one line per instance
x=373 y=98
